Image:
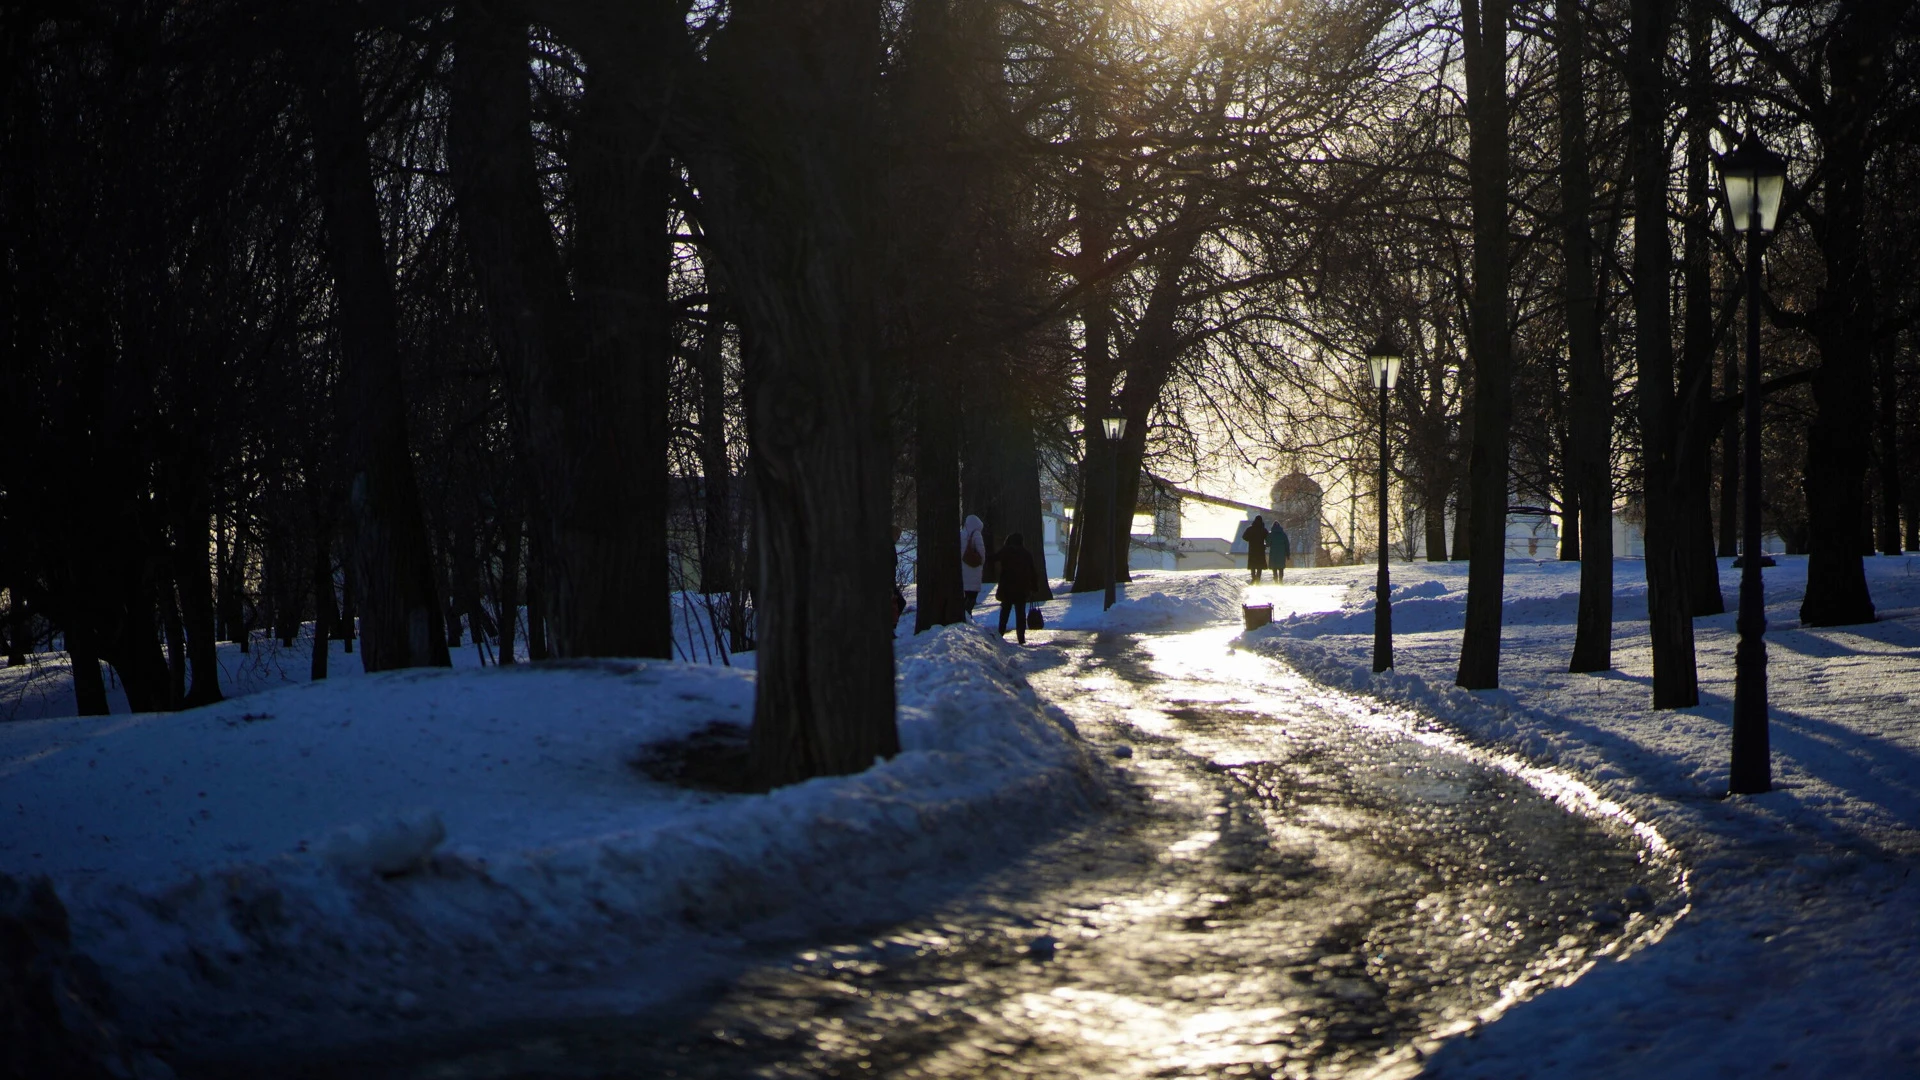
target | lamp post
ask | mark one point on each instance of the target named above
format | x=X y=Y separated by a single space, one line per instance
x=1383 y=370
x=1114 y=426
x=1754 y=178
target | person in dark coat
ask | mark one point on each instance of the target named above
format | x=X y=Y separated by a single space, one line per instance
x=1256 y=538
x=1018 y=582
x=1279 y=551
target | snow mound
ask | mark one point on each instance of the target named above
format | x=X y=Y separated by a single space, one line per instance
x=1154 y=600
x=390 y=846
x=545 y=851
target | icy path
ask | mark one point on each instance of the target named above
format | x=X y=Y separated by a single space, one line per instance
x=1287 y=883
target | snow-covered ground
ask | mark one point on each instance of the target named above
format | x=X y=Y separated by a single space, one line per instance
x=1801 y=955
x=326 y=857
x=225 y=860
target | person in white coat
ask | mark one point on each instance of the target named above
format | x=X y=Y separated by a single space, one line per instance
x=973 y=558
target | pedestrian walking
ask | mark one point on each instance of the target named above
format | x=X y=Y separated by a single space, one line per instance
x=973 y=558
x=1019 y=580
x=1256 y=538
x=1279 y=552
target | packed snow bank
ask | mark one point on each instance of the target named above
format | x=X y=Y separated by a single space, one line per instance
x=42 y=688
x=1154 y=600
x=1802 y=953
x=411 y=843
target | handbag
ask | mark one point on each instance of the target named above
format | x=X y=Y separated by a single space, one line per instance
x=971 y=556
x=1035 y=621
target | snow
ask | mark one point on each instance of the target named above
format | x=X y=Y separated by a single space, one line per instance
x=414 y=843
x=330 y=854
x=1156 y=600
x=1801 y=953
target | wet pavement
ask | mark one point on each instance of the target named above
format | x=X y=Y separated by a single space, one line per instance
x=1288 y=882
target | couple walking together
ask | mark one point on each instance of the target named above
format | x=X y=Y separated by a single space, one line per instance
x=1019 y=579
x=1267 y=549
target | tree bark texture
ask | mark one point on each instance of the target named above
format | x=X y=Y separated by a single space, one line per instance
x=587 y=371
x=788 y=182
x=719 y=539
x=195 y=579
x=89 y=687
x=1462 y=486
x=1887 y=431
x=1589 y=384
x=936 y=482
x=387 y=537
x=1839 y=444
x=1694 y=462
x=1484 y=23
x=322 y=606
x=1675 y=682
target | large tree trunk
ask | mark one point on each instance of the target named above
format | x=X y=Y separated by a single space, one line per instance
x=1461 y=480
x=611 y=595
x=1075 y=534
x=788 y=186
x=1839 y=444
x=589 y=375
x=1589 y=388
x=322 y=606
x=1694 y=462
x=197 y=607
x=936 y=483
x=175 y=633
x=1675 y=682
x=1436 y=525
x=1888 y=431
x=130 y=646
x=1020 y=480
x=388 y=534
x=89 y=687
x=507 y=597
x=1484 y=23
x=719 y=540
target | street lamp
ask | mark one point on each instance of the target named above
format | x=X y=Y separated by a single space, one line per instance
x=1754 y=178
x=1114 y=426
x=1383 y=370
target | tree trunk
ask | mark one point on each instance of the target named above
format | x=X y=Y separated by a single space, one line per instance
x=611 y=595
x=1020 y=479
x=507 y=599
x=130 y=646
x=1462 y=489
x=348 y=616
x=388 y=535
x=536 y=597
x=195 y=579
x=936 y=482
x=1888 y=430
x=718 y=537
x=1436 y=522
x=1694 y=462
x=1844 y=322
x=1074 y=532
x=789 y=190
x=1001 y=474
x=1675 y=682
x=322 y=606
x=1484 y=23
x=19 y=627
x=1590 y=385
x=588 y=375
x=176 y=638
x=89 y=688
